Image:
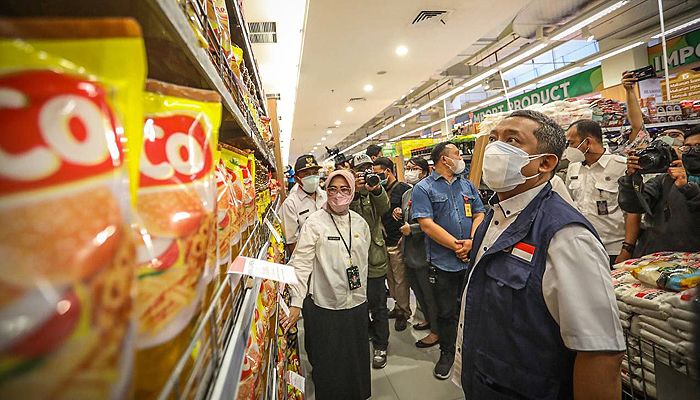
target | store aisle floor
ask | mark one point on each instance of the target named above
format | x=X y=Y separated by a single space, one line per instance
x=408 y=374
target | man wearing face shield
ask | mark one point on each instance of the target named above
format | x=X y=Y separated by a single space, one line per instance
x=304 y=198
x=592 y=181
x=539 y=317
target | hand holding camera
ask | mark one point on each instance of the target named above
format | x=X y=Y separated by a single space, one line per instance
x=368 y=179
x=678 y=174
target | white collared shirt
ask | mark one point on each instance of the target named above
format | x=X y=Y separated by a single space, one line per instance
x=297 y=207
x=576 y=285
x=594 y=186
x=321 y=254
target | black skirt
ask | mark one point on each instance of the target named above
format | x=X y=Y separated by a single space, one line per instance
x=337 y=343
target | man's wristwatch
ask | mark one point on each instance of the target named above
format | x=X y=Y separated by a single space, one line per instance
x=628 y=247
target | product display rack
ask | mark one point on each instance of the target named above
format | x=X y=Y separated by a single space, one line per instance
x=174 y=53
x=656 y=126
x=211 y=366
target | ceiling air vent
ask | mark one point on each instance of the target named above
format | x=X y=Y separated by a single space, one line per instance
x=425 y=15
x=263 y=32
x=357 y=99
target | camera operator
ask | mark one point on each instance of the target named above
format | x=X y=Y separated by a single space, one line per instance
x=672 y=197
x=371 y=202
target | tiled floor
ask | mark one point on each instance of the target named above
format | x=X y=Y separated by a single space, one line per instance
x=408 y=374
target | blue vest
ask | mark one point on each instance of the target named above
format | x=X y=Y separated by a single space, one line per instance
x=512 y=347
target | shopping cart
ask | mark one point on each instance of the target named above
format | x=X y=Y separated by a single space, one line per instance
x=650 y=371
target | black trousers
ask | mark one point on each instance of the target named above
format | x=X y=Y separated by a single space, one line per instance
x=418 y=280
x=447 y=292
x=379 y=322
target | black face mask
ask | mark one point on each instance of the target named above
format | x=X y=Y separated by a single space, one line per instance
x=691 y=162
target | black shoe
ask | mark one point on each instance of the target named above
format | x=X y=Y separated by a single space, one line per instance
x=421 y=344
x=421 y=327
x=401 y=324
x=444 y=366
x=379 y=359
x=394 y=313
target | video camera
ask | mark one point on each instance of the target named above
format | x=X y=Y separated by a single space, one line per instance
x=338 y=157
x=656 y=158
x=371 y=178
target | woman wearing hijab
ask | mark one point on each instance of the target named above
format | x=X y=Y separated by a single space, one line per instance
x=413 y=248
x=330 y=261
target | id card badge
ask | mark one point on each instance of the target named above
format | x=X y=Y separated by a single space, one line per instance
x=602 y=207
x=467 y=207
x=354 y=281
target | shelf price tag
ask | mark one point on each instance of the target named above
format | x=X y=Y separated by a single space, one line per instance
x=263 y=269
x=296 y=380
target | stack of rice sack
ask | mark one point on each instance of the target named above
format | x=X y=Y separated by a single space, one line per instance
x=564 y=112
x=655 y=296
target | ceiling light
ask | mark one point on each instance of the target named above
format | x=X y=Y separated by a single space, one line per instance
x=401 y=50
x=678 y=28
x=315 y=147
x=403 y=125
x=368 y=88
x=615 y=52
x=318 y=144
x=328 y=132
x=337 y=122
x=349 y=108
x=414 y=109
x=593 y=18
x=523 y=55
x=323 y=138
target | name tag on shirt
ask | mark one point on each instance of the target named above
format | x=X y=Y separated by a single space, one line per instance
x=602 y=207
x=333 y=238
x=467 y=207
x=304 y=212
x=523 y=251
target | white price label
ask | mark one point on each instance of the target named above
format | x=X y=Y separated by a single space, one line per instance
x=263 y=269
x=296 y=380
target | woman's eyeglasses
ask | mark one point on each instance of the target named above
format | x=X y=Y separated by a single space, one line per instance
x=333 y=190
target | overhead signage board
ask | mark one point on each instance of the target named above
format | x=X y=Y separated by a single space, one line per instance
x=585 y=82
x=681 y=50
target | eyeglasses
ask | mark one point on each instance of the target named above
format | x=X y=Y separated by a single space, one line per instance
x=333 y=190
x=687 y=149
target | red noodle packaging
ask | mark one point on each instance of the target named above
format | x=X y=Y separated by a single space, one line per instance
x=176 y=209
x=67 y=99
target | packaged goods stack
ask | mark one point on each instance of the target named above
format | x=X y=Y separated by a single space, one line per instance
x=655 y=296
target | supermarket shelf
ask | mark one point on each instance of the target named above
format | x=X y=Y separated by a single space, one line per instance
x=241 y=29
x=176 y=17
x=659 y=125
x=226 y=383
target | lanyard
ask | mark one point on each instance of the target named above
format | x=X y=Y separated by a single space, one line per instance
x=347 y=247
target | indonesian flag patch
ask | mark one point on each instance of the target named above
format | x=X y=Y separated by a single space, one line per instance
x=524 y=251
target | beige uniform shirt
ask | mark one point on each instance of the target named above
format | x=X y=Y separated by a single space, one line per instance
x=297 y=207
x=576 y=285
x=321 y=255
x=594 y=189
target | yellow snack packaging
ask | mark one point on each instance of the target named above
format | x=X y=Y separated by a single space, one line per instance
x=176 y=212
x=67 y=100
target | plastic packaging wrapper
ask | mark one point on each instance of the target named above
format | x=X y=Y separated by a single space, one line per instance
x=671 y=277
x=218 y=19
x=236 y=163
x=176 y=203
x=66 y=101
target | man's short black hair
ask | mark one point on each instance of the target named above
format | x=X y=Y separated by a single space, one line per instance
x=550 y=136
x=695 y=130
x=374 y=150
x=438 y=151
x=385 y=162
x=422 y=163
x=587 y=128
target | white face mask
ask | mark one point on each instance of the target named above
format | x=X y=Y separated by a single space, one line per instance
x=574 y=154
x=412 y=176
x=502 y=166
x=457 y=166
x=310 y=183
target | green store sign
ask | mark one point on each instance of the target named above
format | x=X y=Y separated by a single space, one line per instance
x=681 y=50
x=585 y=82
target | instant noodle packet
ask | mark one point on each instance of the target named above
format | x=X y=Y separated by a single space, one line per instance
x=176 y=208
x=67 y=99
